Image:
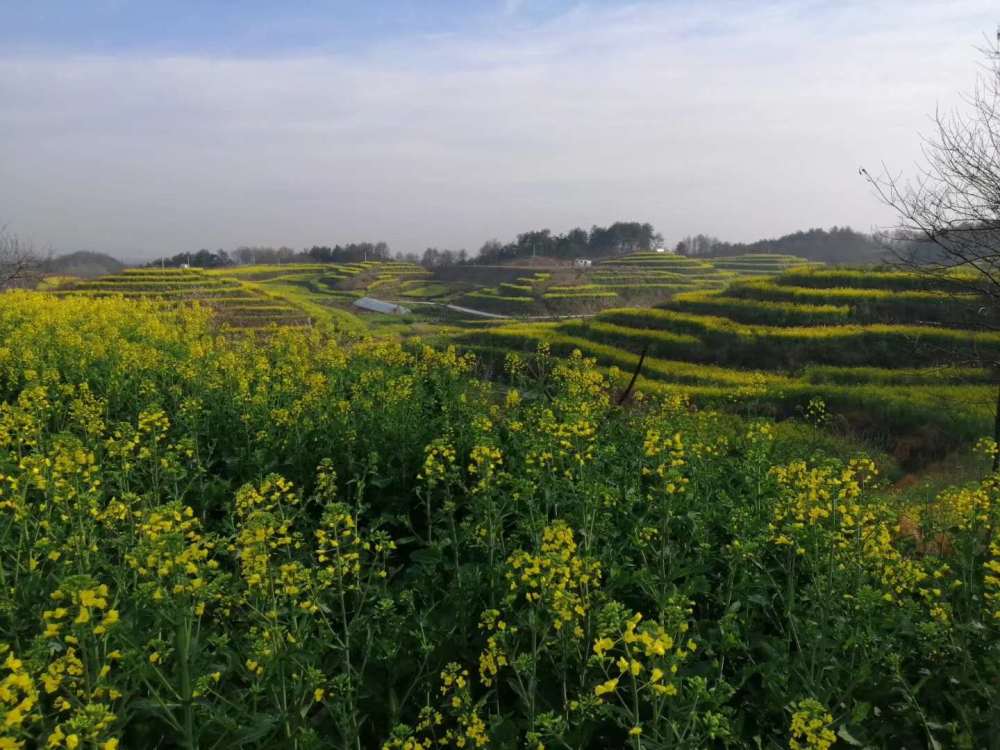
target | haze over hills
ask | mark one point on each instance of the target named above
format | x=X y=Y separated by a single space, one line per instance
x=838 y=245
x=82 y=263
x=449 y=123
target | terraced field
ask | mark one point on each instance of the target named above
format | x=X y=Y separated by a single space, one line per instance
x=892 y=355
x=346 y=281
x=294 y=295
x=304 y=293
x=734 y=265
x=236 y=304
x=326 y=291
x=762 y=264
x=640 y=279
x=524 y=296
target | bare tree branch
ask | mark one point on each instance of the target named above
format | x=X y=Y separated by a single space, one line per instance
x=949 y=213
x=20 y=264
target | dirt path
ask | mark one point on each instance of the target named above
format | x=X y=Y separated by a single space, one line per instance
x=483 y=313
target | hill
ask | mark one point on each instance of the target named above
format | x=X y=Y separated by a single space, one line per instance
x=232 y=302
x=640 y=278
x=838 y=245
x=295 y=541
x=896 y=360
x=83 y=264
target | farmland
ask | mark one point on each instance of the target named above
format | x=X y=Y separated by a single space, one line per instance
x=640 y=278
x=787 y=334
x=304 y=294
x=476 y=376
x=258 y=297
x=236 y=304
x=237 y=512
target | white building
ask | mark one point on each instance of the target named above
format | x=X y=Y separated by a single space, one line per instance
x=376 y=305
x=582 y=263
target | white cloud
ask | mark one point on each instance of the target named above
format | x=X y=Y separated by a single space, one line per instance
x=738 y=119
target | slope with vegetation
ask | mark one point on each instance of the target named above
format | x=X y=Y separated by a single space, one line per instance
x=908 y=359
x=282 y=541
x=837 y=245
x=83 y=264
x=640 y=278
x=235 y=304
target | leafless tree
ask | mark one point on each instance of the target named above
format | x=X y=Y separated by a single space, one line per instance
x=949 y=213
x=20 y=264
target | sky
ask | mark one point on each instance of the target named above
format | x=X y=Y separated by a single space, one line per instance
x=141 y=128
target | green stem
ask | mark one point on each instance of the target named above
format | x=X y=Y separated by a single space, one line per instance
x=184 y=660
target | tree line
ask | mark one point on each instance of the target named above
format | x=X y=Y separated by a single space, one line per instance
x=600 y=242
x=354 y=252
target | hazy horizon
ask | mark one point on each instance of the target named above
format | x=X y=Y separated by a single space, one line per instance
x=146 y=129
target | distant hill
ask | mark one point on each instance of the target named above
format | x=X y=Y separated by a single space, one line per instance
x=83 y=263
x=835 y=245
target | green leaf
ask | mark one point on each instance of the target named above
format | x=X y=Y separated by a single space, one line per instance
x=261 y=726
x=849 y=738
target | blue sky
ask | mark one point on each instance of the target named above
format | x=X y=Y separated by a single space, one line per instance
x=140 y=128
x=251 y=27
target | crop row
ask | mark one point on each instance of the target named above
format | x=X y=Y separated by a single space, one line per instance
x=593 y=294
x=870 y=279
x=947 y=416
x=750 y=271
x=234 y=304
x=762 y=312
x=493 y=294
x=628 y=277
x=767 y=289
x=143 y=285
x=639 y=288
x=526 y=338
x=176 y=276
x=958 y=411
x=167 y=295
x=775 y=348
x=274 y=311
x=663 y=261
x=516 y=288
x=765 y=256
x=941 y=375
x=872 y=305
x=754 y=261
